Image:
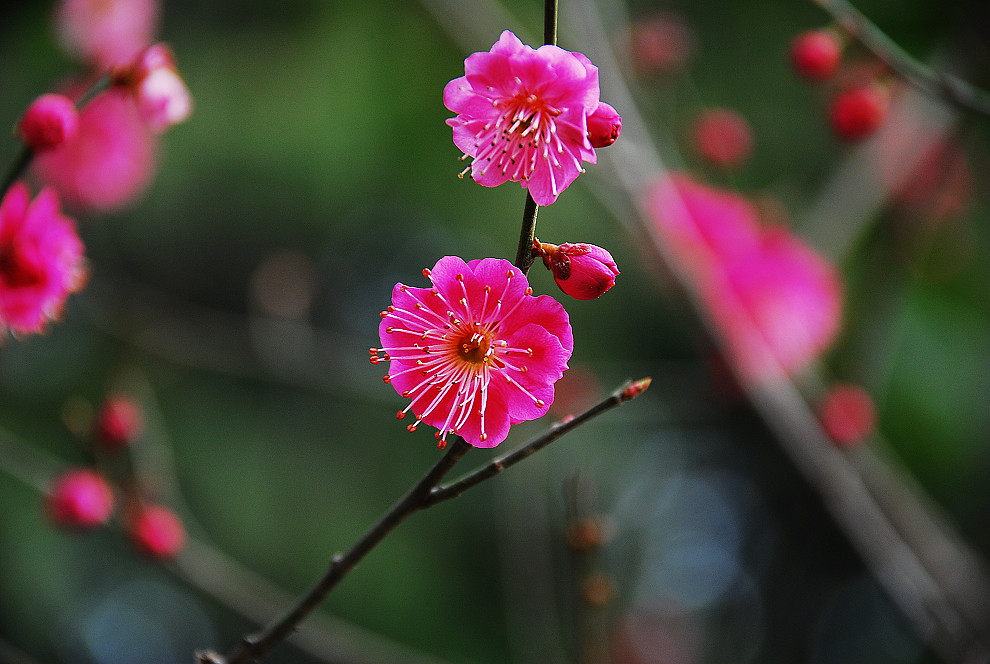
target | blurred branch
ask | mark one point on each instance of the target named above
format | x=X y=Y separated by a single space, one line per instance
x=932 y=81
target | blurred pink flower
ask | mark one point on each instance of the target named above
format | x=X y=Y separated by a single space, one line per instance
x=522 y=115
x=779 y=305
x=105 y=33
x=41 y=260
x=476 y=352
x=158 y=532
x=703 y=224
x=661 y=44
x=109 y=163
x=159 y=91
x=775 y=302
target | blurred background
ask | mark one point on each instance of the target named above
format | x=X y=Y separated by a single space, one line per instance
x=235 y=298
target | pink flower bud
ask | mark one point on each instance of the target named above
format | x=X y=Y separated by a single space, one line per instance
x=118 y=422
x=158 y=532
x=80 y=498
x=847 y=414
x=583 y=271
x=858 y=111
x=815 y=54
x=162 y=96
x=604 y=126
x=49 y=121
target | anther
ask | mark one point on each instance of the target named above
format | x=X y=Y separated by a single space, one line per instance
x=483 y=437
x=386 y=378
x=529 y=290
x=426 y=272
x=389 y=329
x=459 y=276
x=509 y=274
x=400 y=414
x=410 y=428
x=539 y=403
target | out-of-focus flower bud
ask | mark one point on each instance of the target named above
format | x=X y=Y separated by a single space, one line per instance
x=80 y=498
x=49 y=121
x=815 y=54
x=118 y=423
x=604 y=126
x=158 y=532
x=583 y=271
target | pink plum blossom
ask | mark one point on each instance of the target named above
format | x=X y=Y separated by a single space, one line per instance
x=522 y=115
x=110 y=162
x=41 y=260
x=105 y=33
x=702 y=224
x=777 y=307
x=582 y=271
x=49 y=121
x=774 y=301
x=476 y=352
x=162 y=97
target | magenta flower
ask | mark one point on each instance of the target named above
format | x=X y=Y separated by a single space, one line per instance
x=105 y=33
x=41 y=260
x=582 y=271
x=778 y=306
x=109 y=163
x=522 y=115
x=80 y=498
x=162 y=97
x=476 y=352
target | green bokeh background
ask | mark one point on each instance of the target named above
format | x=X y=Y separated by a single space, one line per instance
x=319 y=129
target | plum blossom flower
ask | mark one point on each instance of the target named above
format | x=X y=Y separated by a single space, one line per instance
x=105 y=33
x=162 y=97
x=522 y=115
x=476 y=352
x=109 y=163
x=775 y=302
x=41 y=260
x=583 y=271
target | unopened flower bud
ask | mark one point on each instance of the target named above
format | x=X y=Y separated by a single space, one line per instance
x=604 y=126
x=158 y=532
x=583 y=271
x=118 y=422
x=815 y=54
x=161 y=95
x=80 y=498
x=49 y=121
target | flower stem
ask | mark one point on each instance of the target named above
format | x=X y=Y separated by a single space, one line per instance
x=931 y=81
x=524 y=252
x=26 y=154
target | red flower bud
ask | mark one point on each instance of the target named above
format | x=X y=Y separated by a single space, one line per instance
x=815 y=54
x=583 y=271
x=604 y=126
x=158 y=532
x=858 y=111
x=118 y=423
x=847 y=414
x=80 y=498
x=49 y=121
x=722 y=137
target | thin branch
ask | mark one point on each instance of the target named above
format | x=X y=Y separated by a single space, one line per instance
x=620 y=396
x=255 y=646
x=932 y=81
